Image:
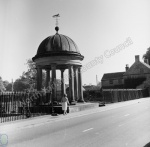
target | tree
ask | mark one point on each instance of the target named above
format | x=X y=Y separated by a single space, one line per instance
x=145 y=84
x=20 y=85
x=27 y=79
x=2 y=88
x=7 y=85
x=147 y=55
x=30 y=76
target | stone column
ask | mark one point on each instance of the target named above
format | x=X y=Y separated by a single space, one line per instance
x=39 y=78
x=47 y=78
x=53 y=83
x=76 y=84
x=80 y=85
x=62 y=83
x=71 y=85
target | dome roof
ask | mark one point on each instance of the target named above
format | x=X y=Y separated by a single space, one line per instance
x=58 y=45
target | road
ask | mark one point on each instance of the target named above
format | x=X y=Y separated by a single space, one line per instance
x=124 y=124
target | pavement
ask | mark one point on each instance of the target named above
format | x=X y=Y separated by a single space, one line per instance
x=45 y=119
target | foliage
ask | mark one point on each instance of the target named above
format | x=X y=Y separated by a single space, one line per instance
x=2 y=88
x=147 y=55
x=30 y=76
x=114 y=87
x=145 y=84
x=20 y=85
x=6 y=83
x=92 y=95
x=132 y=83
x=26 y=80
x=9 y=87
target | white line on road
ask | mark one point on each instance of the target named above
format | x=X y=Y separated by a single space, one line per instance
x=87 y=130
x=127 y=115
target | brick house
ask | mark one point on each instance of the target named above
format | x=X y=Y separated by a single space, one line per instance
x=112 y=80
x=117 y=80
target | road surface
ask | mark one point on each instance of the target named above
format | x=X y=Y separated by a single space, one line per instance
x=125 y=124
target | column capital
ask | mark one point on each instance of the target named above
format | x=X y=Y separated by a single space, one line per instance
x=62 y=70
x=47 y=69
x=53 y=65
x=70 y=65
x=79 y=68
x=75 y=67
x=38 y=66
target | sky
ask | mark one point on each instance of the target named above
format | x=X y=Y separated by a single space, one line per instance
x=98 y=27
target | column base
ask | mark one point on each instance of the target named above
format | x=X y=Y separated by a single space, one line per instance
x=81 y=101
x=54 y=114
x=73 y=103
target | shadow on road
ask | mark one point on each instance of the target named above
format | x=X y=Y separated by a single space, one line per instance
x=147 y=145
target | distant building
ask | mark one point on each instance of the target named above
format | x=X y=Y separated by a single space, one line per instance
x=138 y=70
x=112 y=80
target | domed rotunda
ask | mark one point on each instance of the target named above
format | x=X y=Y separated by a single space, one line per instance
x=59 y=52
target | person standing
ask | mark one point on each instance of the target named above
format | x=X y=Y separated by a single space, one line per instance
x=65 y=103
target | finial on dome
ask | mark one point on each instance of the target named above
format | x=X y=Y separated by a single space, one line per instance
x=56 y=17
x=57 y=29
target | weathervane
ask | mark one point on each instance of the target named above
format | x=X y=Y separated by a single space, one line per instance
x=56 y=18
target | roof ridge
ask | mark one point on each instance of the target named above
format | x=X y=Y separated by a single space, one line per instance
x=112 y=75
x=147 y=65
x=115 y=72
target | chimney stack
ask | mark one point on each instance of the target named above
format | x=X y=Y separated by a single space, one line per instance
x=127 y=67
x=137 y=58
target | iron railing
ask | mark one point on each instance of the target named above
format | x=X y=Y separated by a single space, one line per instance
x=20 y=105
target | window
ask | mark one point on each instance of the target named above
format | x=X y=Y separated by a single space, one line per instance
x=110 y=81
x=119 y=81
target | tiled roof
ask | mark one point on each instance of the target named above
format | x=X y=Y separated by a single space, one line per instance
x=115 y=75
